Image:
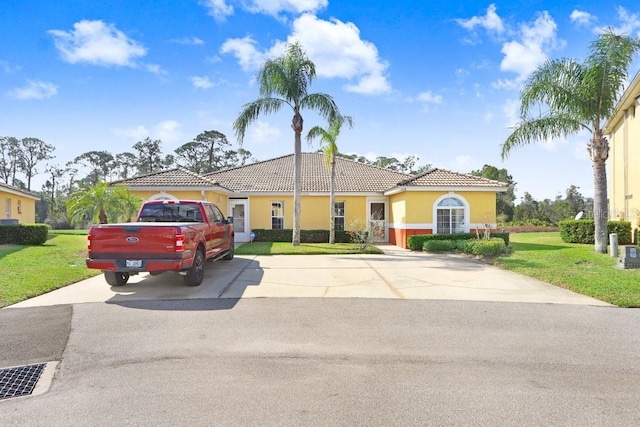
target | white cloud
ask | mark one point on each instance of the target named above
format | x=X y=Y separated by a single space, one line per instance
x=8 y=68
x=511 y=110
x=155 y=69
x=629 y=22
x=338 y=51
x=219 y=9
x=261 y=132
x=245 y=51
x=202 y=82
x=580 y=17
x=525 y=55
x=137 y=133
x=189 y=41
x=429 y=98
x=168 y=131
x=276 y=7
x=95 y=42
x=334 y=46
x=490 y=21
x=35 y=89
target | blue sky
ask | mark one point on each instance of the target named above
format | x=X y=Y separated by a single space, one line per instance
x=435 y=79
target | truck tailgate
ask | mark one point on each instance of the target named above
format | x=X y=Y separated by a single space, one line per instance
x=134 y=240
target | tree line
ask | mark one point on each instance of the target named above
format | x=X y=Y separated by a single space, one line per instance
x=23 y=159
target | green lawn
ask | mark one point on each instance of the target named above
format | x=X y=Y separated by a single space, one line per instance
x=28 y=271
x=283 y=248
x=576 y=267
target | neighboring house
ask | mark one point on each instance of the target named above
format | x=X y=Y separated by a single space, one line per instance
x=17 y=204
x=260 y=196
x=623 y=130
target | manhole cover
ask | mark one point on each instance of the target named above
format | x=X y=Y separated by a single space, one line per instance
x=19 y=381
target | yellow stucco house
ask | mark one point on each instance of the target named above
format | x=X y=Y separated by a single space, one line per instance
x=16 y=204
x=623 y=131
x=260 y=196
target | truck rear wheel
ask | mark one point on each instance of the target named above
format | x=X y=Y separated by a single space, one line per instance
x=195 y=274
x=115 y=278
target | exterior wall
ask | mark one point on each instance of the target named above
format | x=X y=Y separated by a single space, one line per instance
x=412 y=212
x=624 y=174
x=22 y=208
x=314 y=211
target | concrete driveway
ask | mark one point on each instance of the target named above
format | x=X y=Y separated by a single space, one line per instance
x=398 y=274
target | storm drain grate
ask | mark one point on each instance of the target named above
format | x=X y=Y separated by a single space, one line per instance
x=19 y=381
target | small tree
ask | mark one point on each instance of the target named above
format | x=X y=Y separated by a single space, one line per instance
x=100 y=202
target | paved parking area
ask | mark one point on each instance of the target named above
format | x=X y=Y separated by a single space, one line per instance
x=398 y=274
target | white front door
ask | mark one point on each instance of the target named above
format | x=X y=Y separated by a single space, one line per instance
x=239 y=210
x=377 y=217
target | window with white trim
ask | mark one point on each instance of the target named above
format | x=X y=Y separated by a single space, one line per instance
x=338 y=215
x=450 y=216
x=277 y=215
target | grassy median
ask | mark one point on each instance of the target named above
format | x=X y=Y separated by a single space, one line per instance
x=575 y=267
x=29 y=271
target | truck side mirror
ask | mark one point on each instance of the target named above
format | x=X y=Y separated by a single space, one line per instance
x=229 y=220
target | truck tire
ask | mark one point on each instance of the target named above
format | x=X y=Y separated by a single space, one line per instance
x=230 y=253
x=195 y=274
x=115 y=278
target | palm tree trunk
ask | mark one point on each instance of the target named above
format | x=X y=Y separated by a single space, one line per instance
x=599 y=152
x=297 y=166
x=332 y=201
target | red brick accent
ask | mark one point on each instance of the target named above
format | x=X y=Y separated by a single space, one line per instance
x=398 y=236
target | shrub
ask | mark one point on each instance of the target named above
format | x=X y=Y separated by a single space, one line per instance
x=491 y=247
x=439 y=246
x=583 y=231
x=306 y=236
x=21 y=234
x=416 y=242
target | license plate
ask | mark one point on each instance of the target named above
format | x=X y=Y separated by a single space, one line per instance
x=135 y=263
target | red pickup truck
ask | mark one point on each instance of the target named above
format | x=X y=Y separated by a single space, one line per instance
x=168 y=235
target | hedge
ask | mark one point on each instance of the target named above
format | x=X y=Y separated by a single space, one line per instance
x=306 y=236
x=583 y=231
x=24 y=234
x=494 y=246
x=439 y=246
x=416 y=242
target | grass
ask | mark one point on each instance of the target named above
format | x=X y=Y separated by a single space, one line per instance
x=283 y=248
x=29 y=271
x=575 y=267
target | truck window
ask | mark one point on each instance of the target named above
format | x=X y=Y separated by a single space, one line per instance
x=214 y=213
x=170 y=212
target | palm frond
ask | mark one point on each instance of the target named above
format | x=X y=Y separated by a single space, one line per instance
x=252 y=110
x=541 y=129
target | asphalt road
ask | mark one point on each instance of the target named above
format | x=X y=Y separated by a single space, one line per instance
x=321 y=361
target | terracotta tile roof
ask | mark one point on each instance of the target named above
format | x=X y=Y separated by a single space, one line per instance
x=437 y=177
x=276 y=175
x=178 y=177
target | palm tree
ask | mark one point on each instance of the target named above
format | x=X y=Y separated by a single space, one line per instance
x=328 y=138
x=575 y=97
x=94 y=203
x=285 y=81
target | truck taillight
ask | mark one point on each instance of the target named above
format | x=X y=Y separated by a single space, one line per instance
x=89 y=242
x=179 y=246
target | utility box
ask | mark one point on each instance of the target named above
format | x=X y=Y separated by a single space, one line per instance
x=629 y=257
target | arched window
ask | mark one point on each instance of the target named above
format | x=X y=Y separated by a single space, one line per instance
x=450 y=214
